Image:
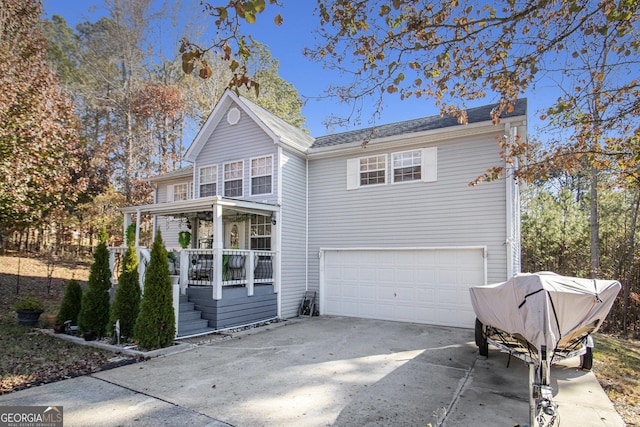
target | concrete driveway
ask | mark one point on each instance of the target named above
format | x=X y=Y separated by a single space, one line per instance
x=320 y=372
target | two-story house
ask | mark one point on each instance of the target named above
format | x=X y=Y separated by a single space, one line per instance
x=380 y=223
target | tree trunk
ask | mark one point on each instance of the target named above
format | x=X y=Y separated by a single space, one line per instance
x=593 y=220
x=626 y=282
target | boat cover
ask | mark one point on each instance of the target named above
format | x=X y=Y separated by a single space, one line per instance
x=545 y=308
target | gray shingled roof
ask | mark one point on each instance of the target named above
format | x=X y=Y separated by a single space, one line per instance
x=187 y=170
x=474 y=115
x=285 y=131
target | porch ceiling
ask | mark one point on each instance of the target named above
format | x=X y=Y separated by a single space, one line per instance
x=200 y=205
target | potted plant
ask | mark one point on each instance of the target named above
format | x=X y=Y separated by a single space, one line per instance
x=173 y=270
x=29 y=310
x=184 y=238
x=172 y=262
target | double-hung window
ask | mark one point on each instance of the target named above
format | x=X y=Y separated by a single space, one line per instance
x=178 y=192
x=407 y=166
x=261 y=175
x=233 y=181
x=365 y=171
x=208 y=181
x=260 y=233
x=373 y=170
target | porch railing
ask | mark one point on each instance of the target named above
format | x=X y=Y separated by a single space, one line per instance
x=208 y=267
x=116 y=263
x=227 y=267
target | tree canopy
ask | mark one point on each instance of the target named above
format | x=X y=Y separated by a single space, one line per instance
x=40 y=160
x=455 y=52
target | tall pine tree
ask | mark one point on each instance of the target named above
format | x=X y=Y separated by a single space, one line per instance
x=155 y=326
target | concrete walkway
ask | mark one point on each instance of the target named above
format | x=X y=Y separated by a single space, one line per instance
x=320 y=372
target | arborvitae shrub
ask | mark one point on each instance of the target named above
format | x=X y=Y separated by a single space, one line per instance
x=126 y=302
x=155 y=326
x=94 y=313
x=71 y=303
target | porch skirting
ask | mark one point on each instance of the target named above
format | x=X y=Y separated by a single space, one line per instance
x=235 y=308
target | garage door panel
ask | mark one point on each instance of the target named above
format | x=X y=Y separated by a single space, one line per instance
x=424 y=285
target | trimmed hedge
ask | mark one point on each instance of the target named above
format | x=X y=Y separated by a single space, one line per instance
x=155 y=325
x=71 y=303
x=126 y=303
x=94 y=313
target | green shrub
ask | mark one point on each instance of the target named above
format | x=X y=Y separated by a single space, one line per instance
x=29 y=303
x=71 y=303
x=155 y=326
x=126 y=303
x=94 y=312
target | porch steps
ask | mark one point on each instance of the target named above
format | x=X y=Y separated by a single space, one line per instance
x=190 y=321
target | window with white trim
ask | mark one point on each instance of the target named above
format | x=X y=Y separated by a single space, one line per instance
x=260 y=233
x=178 y=192
x=208 y=181
x=233 y=179
x=373 y=170
x=407 y=166
x=261 y=175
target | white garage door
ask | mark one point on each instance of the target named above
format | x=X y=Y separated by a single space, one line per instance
x=411 y=285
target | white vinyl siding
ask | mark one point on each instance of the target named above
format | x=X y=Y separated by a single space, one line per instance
x=221 y=147
x=233 y=179
x=262 y=175
x=446 y=212
x=208 y=181
x=293 y=232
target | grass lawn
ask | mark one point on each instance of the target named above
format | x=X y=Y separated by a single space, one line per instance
x=616 y=364
x=29 y=357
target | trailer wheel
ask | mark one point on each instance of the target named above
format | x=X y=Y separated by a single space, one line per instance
x=586 y=360
x=481 y=339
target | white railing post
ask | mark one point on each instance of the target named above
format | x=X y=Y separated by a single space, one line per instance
x=176 y=305
x=112 y=264
x=217 y=274
x=218 y=245
x=249 y=273
x=184 y=271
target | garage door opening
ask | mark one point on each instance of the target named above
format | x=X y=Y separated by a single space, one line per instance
x=420 y=285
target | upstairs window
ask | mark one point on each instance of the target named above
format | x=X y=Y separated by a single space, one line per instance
x=261 y=175
x=178 y=192
x=365 y=171
x=407 y=166
x=208 y=181
x=233 y=179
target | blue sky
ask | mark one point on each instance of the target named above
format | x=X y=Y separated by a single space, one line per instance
x=287 y=43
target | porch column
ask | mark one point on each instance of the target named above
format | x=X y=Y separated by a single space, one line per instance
x=218 y=245
x=137 y=242
x=127 y=223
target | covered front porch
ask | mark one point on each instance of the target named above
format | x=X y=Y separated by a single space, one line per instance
x=228 y=275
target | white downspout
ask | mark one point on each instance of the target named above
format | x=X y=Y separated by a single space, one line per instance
x=306 y=226
x=510 y=243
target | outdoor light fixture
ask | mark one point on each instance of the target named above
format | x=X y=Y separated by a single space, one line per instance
x=273 y=219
